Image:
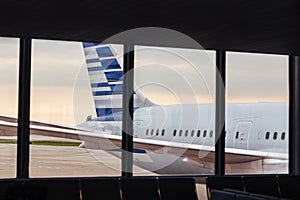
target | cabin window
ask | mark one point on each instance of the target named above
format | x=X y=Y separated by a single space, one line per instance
x=147 y=132
x=163 y=132
x=186 y=133
x=275 y=136
x=192 y=133
x=282 y=135
x=152 y=131
x=174 y=132
x=198 y=133
x=211 y=133
x=180 y=133
x=267 y=135
x=157 y=132
x=237 y=135
x=204 y=133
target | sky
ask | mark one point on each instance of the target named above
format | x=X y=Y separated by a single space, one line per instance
x=60 y=90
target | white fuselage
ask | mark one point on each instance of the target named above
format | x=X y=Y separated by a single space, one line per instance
x=250 y=126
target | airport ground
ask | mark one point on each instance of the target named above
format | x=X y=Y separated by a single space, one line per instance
x=56 y=157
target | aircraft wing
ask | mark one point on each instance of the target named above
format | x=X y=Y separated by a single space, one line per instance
x=8 y=127
x=237 y=160
x=199 y=155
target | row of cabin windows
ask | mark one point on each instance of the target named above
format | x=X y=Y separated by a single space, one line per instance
x=157 y=132
x=186 y=133
x=180 y=133
x=275 y=135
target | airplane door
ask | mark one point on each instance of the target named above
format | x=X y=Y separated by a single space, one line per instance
x=137 y=127
x=241 y=136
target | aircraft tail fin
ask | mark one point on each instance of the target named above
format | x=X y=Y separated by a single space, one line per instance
x=106 y=80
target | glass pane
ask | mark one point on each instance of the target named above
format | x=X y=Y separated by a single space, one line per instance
x=9 y=63
x=257 y=114
x=70 y=79
x=174 y=111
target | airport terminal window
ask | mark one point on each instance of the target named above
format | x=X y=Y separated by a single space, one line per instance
x=244 y=126
x=9 y=64
x=177 y=107
x=257 y=97
x=72 y=85
x=34 y=114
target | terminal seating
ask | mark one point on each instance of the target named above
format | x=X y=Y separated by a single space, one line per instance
x=253 y=187
x=135 y=188
x=267 y=185
x=289 y=186
x=162 y=188
x=239 y=195
x=219 y=183
x=152 y=188
x=177 y=188
x=54 y=189
x=17 y=189
x=106 y=188
x=42 y=189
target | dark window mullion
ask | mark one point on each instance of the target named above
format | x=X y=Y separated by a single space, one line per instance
x=220 y=113
x=127 y=116
x=24 y=108
x=294 y=115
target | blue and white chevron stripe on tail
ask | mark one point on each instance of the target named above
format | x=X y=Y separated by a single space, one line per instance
x=106 y=79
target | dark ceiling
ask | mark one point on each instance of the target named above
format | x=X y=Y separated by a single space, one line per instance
x=270 y=26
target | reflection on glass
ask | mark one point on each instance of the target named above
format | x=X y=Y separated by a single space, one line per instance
x=256 y=112
x=175 y=94
x=9 y=62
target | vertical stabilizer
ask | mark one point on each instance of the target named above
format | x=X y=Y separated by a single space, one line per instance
x=106 y=80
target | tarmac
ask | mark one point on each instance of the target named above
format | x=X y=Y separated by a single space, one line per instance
x=67 y=161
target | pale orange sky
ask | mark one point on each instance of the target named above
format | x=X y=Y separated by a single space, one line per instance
x=58 y=97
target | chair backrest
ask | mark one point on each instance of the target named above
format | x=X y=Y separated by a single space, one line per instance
x=235 y=191
x=23 y=189
x=266 y=185
x=247 y=197
x=177 y=188
x=101 y=188
x=60 y=189
x=140 y=188
x=289 y=186
x=222 y=195
x=266 y=197
x=221 y=182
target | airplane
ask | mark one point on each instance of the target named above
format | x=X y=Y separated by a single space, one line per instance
x=256 y=133
x=173 y=139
